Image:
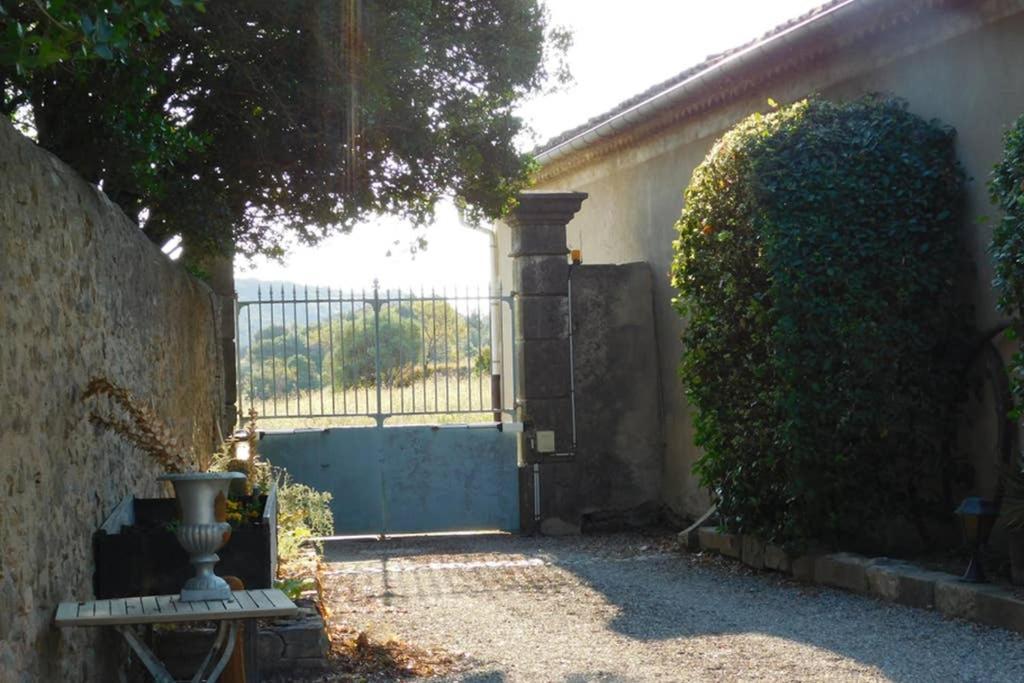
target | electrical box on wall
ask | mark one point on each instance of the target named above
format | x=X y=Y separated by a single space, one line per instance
x=546 y=442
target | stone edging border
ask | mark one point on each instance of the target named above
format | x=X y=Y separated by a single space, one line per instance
x=884 y=578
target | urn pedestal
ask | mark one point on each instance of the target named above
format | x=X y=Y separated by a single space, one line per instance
x=202 y=531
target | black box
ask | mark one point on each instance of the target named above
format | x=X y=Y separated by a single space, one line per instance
x=136 y=554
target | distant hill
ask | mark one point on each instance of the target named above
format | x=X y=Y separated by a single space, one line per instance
x=289 y=304
x=283 y=311
x=247 y=289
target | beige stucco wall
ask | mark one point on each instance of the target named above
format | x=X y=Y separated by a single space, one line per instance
x=82 y=292
x=954 y=67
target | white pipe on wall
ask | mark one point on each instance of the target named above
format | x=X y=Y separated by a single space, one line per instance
x=496 y=317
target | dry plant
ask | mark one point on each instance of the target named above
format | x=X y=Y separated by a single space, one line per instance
x=139 y=425
x=384 y=656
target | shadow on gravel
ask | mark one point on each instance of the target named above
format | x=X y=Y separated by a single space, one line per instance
x=499 y=677
x=672 y=597
x=483 y=677
x=369 y=549
x=663 y=595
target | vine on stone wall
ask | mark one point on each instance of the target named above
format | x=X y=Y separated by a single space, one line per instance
x=817 y=262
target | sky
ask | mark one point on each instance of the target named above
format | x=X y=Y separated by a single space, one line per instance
x=619 y=49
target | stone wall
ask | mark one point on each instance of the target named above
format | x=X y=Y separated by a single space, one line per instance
x=961 y=65
x=82 y=293
x=618 y=411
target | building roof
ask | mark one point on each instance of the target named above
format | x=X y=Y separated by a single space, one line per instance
x=705 y=65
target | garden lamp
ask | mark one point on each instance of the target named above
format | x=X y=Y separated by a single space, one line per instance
x=241 y=452
x=240 y=441
x=977 y=515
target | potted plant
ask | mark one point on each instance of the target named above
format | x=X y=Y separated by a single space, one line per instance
x=201 y=495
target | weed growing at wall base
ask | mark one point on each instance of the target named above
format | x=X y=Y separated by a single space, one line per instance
x=817 y=263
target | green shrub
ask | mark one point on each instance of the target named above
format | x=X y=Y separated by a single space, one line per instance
x=817 y=262
x=303 y=513
x=1007 y=189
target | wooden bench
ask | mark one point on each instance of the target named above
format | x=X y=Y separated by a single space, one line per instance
x=124 y=613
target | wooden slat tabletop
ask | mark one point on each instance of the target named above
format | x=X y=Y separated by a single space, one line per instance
x=156 y=609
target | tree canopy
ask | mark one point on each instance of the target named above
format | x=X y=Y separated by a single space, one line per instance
x=235 y=124
x=35 y=35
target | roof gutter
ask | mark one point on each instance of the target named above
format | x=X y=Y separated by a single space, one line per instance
x=734 y=65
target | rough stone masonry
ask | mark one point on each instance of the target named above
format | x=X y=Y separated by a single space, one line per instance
x=82 y=292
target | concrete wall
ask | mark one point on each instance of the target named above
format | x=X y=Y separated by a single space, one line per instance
x=82 y=292
x=962 y=67
x=618 y=413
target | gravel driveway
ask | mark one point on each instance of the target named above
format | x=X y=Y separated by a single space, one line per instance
x=628 y=608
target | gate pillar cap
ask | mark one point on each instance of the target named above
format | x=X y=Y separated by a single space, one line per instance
x=545 y=208
x=538 y=222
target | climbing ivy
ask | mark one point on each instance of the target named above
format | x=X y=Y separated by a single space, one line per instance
x=817 y=262
x=1007 y=189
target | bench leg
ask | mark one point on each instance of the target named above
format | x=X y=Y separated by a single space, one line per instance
x=252 y=655
x=228 y=631
x=217 y=641
x=229 y=648
x=146 y=656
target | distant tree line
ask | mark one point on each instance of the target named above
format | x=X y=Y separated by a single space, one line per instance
x=417 y=339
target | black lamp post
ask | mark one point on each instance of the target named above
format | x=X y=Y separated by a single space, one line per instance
x=978 y=516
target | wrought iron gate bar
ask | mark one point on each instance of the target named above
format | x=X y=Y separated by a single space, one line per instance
x=365 y=354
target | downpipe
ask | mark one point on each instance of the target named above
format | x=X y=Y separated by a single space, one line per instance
x=497 y=343
x=572 y=368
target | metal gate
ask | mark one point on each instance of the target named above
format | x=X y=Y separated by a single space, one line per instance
x=389 y=399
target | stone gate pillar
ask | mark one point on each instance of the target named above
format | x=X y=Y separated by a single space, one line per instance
x=540 y=281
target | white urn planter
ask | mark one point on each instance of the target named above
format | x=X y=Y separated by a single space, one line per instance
x=202 y=530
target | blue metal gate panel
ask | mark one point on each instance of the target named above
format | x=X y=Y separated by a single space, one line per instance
x=450 y=479
x=408 y=479
x=344 y=461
